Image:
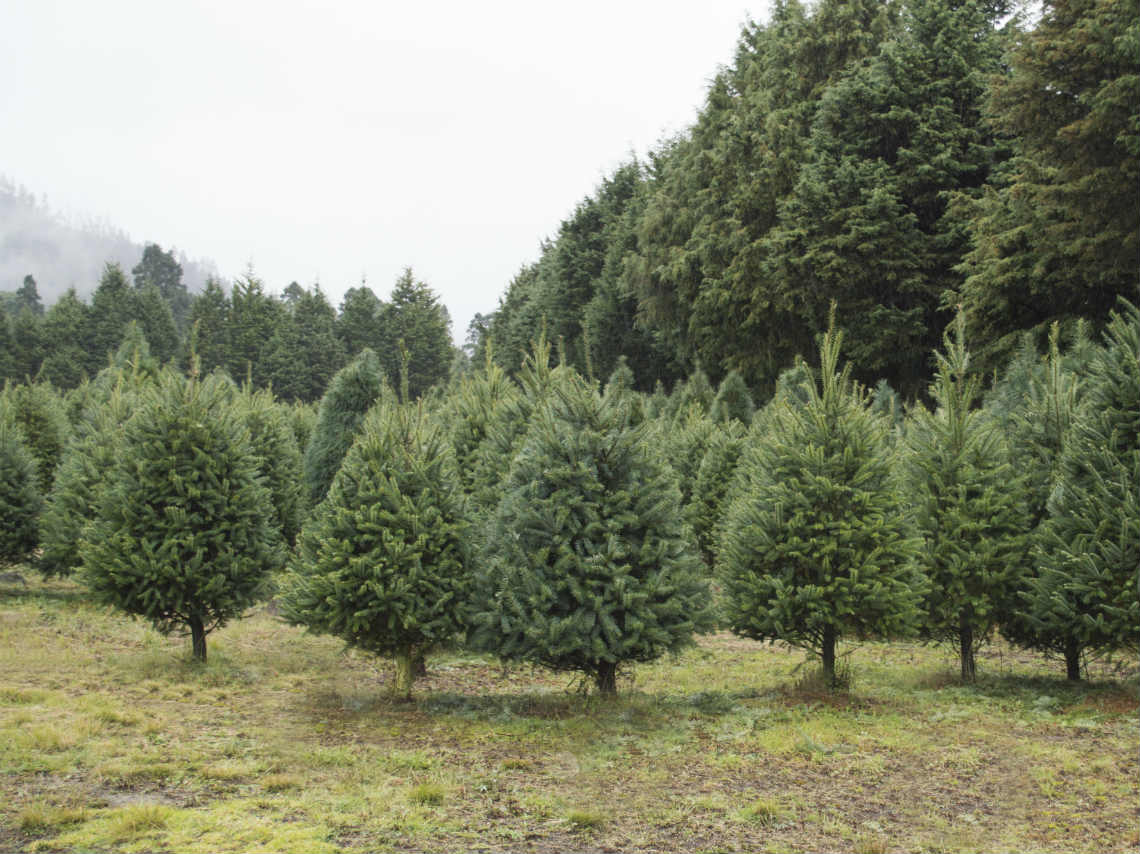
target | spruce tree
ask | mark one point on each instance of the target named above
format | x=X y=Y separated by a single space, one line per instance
x=1088 y=548
x=733 y=400
x=383 y=562
x=969 y=507
x=20 y=499
x=352 y=392
x=816 y=543
x=589 y=564
x=183 y=534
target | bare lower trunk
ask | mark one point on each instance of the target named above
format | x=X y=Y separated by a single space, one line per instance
x=405 y=674
x=966 y=650
x=828 y=654
x=1073 y=660
x=606 y=678
x=198 y=639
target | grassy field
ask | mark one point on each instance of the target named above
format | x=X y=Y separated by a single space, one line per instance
x=111 y=740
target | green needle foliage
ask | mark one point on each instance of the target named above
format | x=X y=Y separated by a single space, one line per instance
x=20 y=500
x=278 y=459
x=184 y=535
x=589 y=564
x=93 y=451
x=352 y=392
x=383 y=562
x=1085 y=595
x=816 y=544
x=969 y=507
x=37 y=411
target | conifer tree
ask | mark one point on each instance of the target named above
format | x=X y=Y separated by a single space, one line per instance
x=469 y=413
x=969 y=507
x=589 y=564
x=705 y=509
x=37 y=411
x=112 y=308
x=278 y=458
x=1088 y=549
x=383 y=562
x=816 y=543
x=20 y=499
x=183 y=536
x=64 y=328
x=158 y=324
x=92 y=452
x=352 y=392
x=208 y=322
x=733 y=400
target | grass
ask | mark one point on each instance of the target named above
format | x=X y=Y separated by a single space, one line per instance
x=111 y=739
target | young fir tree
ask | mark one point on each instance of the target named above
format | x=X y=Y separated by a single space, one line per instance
x=352 y=392
x=733 y=401
x=37 y=411
x=92 y=452
x=20 y=500
x=1039 y=427
x=383 y=562
x=183 y=535
x=278 y=459
x=589 y=564
x=1088 y=549
x=816 y=543
x=469 y=413
x=706 y=506
x=969 y=507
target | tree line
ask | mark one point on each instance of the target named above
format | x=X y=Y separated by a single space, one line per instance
x=901 y=159
x=294 y=342
x=583 y=525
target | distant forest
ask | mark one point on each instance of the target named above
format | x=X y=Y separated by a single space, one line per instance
x=901 y=160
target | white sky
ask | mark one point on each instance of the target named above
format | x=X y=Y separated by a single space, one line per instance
x=321 y=141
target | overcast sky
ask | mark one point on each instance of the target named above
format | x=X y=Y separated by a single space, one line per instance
x=323 y=141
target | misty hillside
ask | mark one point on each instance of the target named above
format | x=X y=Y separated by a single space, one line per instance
x=61 y=253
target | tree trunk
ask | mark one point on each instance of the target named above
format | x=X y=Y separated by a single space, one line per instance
x=198 y=639
x=405 y=674
x=966 y=650
x=606 y=678
x=1073 y=660
x=419 y=664
x=829 y=655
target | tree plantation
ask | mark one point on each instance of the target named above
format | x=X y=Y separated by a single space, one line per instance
x=851 y=364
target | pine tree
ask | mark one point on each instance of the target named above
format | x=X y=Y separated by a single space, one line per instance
x=158 y=323
x=816 y=543
x=1088 y=548
x=353 y=391
x=160 y=270
x=20 y=500
x=589 y=565
x=112 y=308
x=383 y=562
x=64 y=327
x=969 y=507
x=358 y=324
x=415 y=316
x=183 y=536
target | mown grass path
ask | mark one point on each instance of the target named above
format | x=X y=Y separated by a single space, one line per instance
x=111 y=740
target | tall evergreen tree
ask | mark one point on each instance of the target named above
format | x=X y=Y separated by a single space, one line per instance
x=415 y=316
x=208 y=321
x=112 y=308
x=37 y=411
x=158 y=323
x=590 y=565
x=1059 y=234
x=64 y=328
x=252 y=319
x=162 y=271
x=383 y=562
x=28 y=296
x=358 y=325
x=816 y=543
x=183 y=536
